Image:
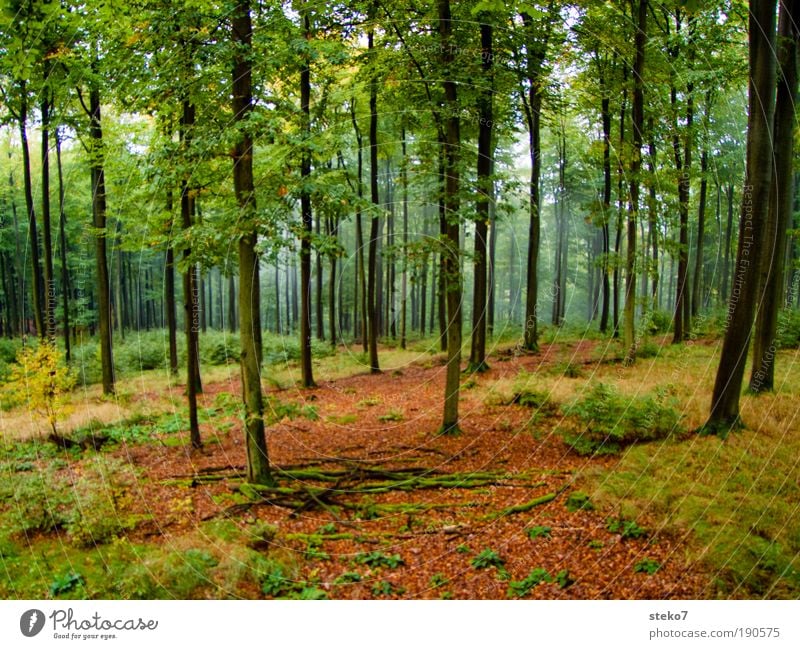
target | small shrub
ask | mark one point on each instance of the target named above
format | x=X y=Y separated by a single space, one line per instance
x=379 y=560
x=607 y=420
x=42 y=381
x=438 y=580
x=788 y=330
x=539 y=531
x=392 y=415
x=536 y=577
x=563 y=579
x=65 y=583
x=649 y=566
x=101 y=496
x=220 y=347
x=347 y=578
x=626 y=529
x=648 y=349
x=488 y=558
x=579 y=501
x=658 y=322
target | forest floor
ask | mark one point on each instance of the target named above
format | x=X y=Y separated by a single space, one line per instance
x=372 y=502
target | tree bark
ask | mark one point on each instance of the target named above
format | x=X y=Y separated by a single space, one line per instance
x=755 y=205
x=372 y=269
x=258 y=470
x=33 y=235
x=191 y=306
x=477 y=356
x=629 y=333
x=762 y=376
x=450 y=251
x=99 y=215
x=62 y=248
x=306 y=215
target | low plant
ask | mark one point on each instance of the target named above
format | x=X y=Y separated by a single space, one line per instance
x=534 y=578
x=539 y=531
x=487 y=558
x=379 y=560
x=606 y=421
x=649 y=566
x=625 y=528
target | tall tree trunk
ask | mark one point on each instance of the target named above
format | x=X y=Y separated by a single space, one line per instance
x=99 y=214
x=372 y=268
x=169 y=293
x=62 y=248
x=620 y=207
x=334 y=232
x=629 y=333
x=190 y=290
x=361 y=282
x=762 y=377
x=404 y=279
x=754 y=214
x=450 y=250
x=318 y=286
x=652 y=215
x=605 y=116
x=697 y=280
x=258 y=470
x=47 y=234
x=477 y=356
x=305 y=211
x=33 y=235
x=683 y=165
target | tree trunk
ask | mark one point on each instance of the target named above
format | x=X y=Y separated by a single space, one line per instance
x=36 y=270
x=477 y=356
x=372 y=269
x=605 y=116
x=47 y=236
x=191 y=306
x=762 y=376
x=99 y=214
x=629 y=333
x=169 y=294
x=404 y=279
x=62 y=248
x=258 y=470
x=305 y=211
x=450 y=251
x=755 y=207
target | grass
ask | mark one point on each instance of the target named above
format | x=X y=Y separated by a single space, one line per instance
x=738 y=498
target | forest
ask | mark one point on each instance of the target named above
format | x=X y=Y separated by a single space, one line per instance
x=381 y=299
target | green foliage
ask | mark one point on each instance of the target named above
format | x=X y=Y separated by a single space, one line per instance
x=649 y=566
x=487 y=558
x=539 y=531
x=648 y=349
x=384 y=588
x=379 y=560
x=220 y=347
x=65 y=583
x=392 y=415
x=625 y=528
x=35 y=501
x=102 y=496
x=348 y=578
x=607 y=420
x=42 y=381
x=563 y=579
x=579 y=501
x=536 y=577
x=658 y=322
x=788 y=329
x=438 y=580
x=276 y=410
